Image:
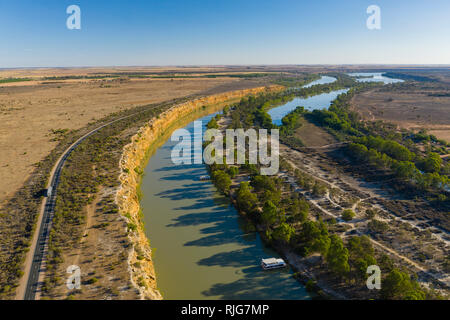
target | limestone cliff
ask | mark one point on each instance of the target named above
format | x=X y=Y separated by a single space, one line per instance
x=134 y=157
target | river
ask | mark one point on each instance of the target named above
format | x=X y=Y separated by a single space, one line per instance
x=323 y=101
x=320 y=101
x=202 y=248
x=373 y=77
x=322 y=80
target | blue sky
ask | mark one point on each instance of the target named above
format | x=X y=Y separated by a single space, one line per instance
x=206 y=32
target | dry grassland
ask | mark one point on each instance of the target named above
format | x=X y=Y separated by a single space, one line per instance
x=31 y=114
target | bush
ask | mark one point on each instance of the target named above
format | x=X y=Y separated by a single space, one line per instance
x=233 y=171
x=377 y=226
x=131 y=227
x=311 y=286
x=371 y=213
x=348 y=214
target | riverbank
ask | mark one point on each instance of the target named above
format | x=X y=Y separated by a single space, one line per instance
x=134 y=157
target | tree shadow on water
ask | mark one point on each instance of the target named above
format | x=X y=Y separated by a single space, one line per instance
x=220 y=228
x=192 y=175
x=184 y=192
x=266 y=285
x=236 y=258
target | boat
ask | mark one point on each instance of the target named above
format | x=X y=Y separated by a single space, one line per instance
x=272 y=263
x=204 y=178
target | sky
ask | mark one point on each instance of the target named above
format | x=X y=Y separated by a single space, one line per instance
x=33 y=33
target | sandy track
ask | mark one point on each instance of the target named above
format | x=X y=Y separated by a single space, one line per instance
x=289 y=154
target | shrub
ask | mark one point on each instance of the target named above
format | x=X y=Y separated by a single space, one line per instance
x=371 y=213
x=233 y=171
x=377 y=226
x=348 y=214
x=311 y=286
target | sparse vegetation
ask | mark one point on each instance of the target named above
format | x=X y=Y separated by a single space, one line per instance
x=9 y=80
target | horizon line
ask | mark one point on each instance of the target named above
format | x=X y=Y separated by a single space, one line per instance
x=232 y=65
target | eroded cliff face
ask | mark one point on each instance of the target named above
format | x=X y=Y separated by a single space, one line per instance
x=134 y=157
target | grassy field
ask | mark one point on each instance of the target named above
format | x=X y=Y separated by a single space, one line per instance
x=412 y=106
x=312 y=135
x=35 y=117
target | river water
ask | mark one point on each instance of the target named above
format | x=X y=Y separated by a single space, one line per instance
x=322 y=80
x=323 y=101
x=202 y=248
x=320 y=101
x=373 y=77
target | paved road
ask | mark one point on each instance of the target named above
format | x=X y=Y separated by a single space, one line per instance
x=33 y=272
x=44 y=230
x=45 y=226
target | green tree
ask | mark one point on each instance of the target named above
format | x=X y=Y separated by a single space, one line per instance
x=261 y=183
x=222 y=180
x=348 y=214
x=398 y=286
x=360 y=255
x=269 y=215
x=315 y=238
x=405 y=169
x=273 y=196
x=245 y=198
x=299 y=209
x=212 y=124
x=337 y=256
x=233 y=171
x=432 y=163
x=284 y=232
x=319 y=189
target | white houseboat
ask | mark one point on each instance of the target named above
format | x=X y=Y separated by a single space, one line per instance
x=272 y=263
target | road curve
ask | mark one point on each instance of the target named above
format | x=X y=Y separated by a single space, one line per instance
x=29 y=283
